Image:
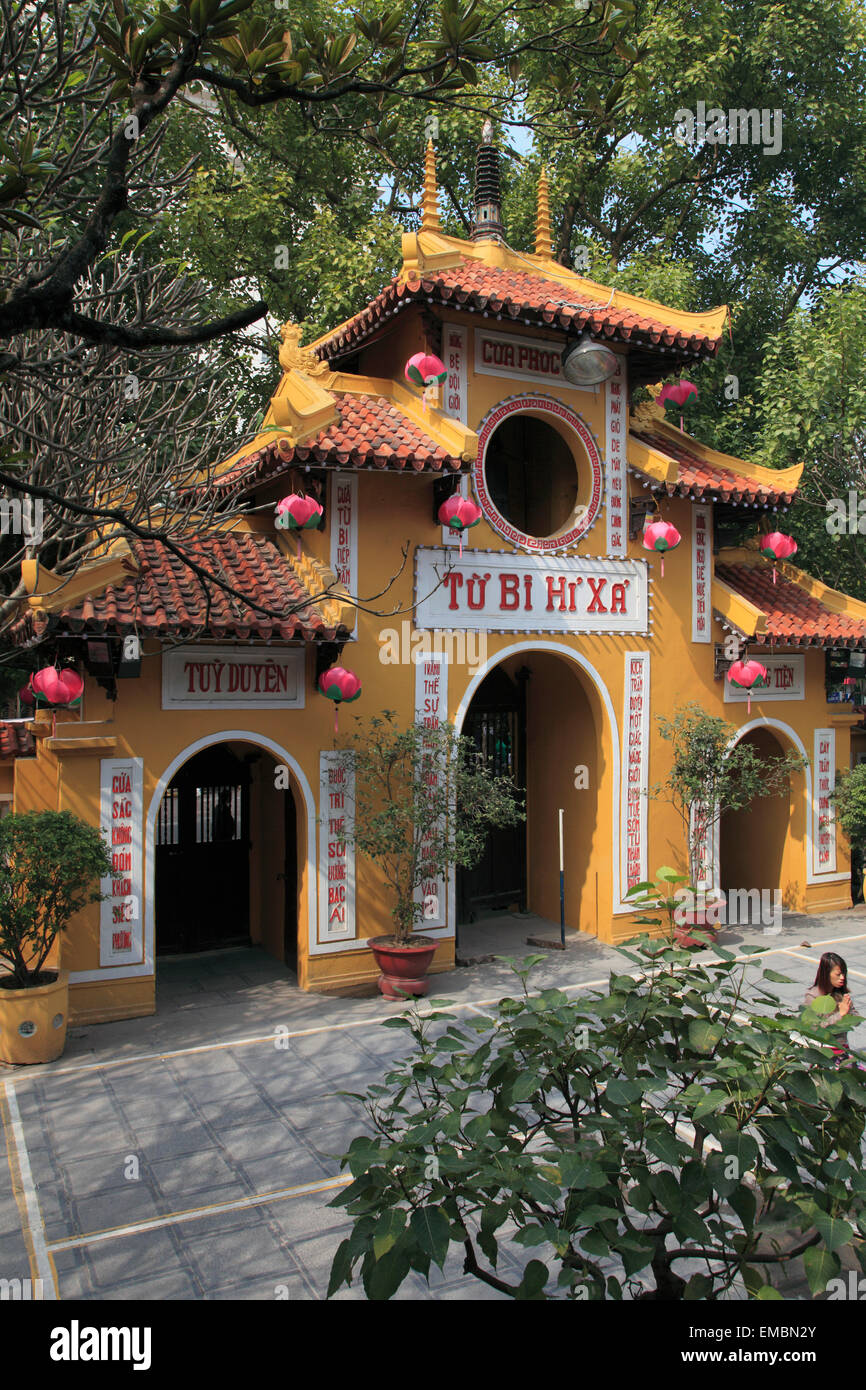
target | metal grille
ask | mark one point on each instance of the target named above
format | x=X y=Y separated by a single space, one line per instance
x=217 y=814
x=495 y=733
x=168 y=821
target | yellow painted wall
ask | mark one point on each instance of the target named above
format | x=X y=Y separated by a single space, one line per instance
x=568 y=722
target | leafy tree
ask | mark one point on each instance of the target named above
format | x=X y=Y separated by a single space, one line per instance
x=50 y=866
x=424 y=803
x=849 y=801
x=652 y=1140
x=710 y=775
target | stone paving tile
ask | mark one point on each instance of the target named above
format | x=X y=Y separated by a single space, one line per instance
x=216 y=1125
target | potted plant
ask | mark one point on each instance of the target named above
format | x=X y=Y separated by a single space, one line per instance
x=50 y=866
x=849 y=803
x=710 y=775
x=424 y=802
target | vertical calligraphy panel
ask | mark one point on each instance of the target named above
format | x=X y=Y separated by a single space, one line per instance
x=702 y=550
x=121 y=934
x=635 y=768
x=455 y=403
x=431 y=707
x=344 y=529
x=823 y=818
x=617 y=485
x=336 y=853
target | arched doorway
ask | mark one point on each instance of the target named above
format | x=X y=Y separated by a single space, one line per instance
x=538 y=718
x=762 y=846
x=226 y=855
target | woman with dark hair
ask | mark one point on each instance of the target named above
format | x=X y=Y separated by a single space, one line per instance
x=832 y=979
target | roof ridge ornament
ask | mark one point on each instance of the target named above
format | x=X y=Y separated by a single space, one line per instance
x=487 y=225
x=430 y=200
x=543 y=239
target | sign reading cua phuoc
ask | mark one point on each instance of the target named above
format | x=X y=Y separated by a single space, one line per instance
x=228 y=677
x=498 y=592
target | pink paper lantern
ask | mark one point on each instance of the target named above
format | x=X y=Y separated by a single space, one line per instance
x=678 y=392
x=341 y=686
x=661 y=536
x=423 y=368
x=777 y=546
x=746 y=675
x=460 y=515
x=26 y=695
x=55 y=687
x=298 y=513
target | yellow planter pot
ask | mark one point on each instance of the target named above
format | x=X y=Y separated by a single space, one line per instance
x=33 y=1022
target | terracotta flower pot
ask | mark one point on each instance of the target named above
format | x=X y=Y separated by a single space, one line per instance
x=697 y=919
x=404 y=968
x=33 y=1021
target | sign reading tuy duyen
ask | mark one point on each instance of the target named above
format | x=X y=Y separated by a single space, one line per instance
x=202 y=677
x=498 y=592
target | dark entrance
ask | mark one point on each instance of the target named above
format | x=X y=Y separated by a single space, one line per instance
x=203 y=855
x=496 y=724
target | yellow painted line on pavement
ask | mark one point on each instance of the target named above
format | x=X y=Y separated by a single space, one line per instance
x=24 y=1191
x=196 y=1213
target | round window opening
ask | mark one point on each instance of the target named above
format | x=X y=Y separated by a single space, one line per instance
x=57 y=1021
x=532 y=476
x=26 y=1029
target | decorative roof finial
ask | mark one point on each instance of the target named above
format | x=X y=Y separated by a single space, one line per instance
x=543 y=239
x=488 y=196
x=430 y=201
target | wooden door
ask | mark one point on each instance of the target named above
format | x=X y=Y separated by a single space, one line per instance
x=496 y=724
x=203 y=855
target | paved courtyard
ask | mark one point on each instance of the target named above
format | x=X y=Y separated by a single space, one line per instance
x=191 y=1155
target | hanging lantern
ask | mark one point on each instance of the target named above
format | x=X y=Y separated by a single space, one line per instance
x=53 y=687
x=460 y=515
x=677 y=393
x=298 y=513
x=26 y=695
x=661 y=536
x=777 y=546
x=341 y=686
x=745 y=675
x=425 y=369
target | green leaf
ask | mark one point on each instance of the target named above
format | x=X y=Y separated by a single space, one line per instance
x=622 y=1092
x=820 y=1265
x=390 y=1225
x=766 y=1293
x=432 y=1230
x=834 y=1231
x=704 y=1035
x=535 y=1276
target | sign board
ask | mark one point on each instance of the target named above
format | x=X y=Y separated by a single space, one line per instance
x=787 y=676
x=336 y=852
x=824 y=772
x=527 y=359
x=431 y=708
x=121 y=938
x=231 y=678
x=493 y=591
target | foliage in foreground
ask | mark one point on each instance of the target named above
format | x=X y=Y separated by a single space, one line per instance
x=652 y=1140
x=424 y=803
x=50 y=866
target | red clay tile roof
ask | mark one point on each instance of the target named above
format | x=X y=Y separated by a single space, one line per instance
x=514 y=294
x=16 y=741
x=166 y=599
x=372 y=432
x=793 y=616
x=702 y=480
